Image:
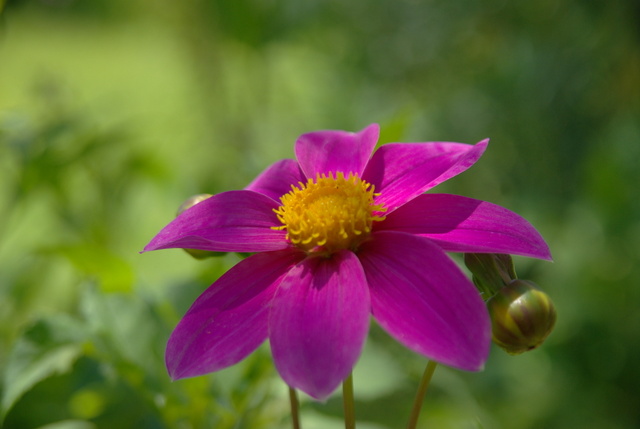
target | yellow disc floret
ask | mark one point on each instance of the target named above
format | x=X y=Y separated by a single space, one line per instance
x=329 y=213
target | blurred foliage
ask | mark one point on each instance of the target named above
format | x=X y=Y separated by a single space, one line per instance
x=113 y=112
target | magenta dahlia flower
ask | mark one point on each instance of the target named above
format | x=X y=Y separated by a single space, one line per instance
x=340 y=234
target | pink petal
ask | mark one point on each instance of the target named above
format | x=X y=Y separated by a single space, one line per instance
x=421 y=298
x=333 y=151
x=277 y=179
x=460 y=224
x=319 y=322
x=401 y=171
x=234 y=221
x=229 y=320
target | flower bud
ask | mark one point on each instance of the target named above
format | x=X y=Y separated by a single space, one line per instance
x=190 y=202
x=522 y=316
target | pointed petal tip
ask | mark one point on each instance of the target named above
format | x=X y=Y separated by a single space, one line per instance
x=175 y=374
x=147 y=248
x=479 y=368
x=172 y=369
x=373 y=128
x=483 y=144
x=320 y=392
x=465 y=362
x=470 y=363
x=543 y=251
x=175 y=371
x=480 y=364
x=476 y=367
x=318 y=395
x=481 y=148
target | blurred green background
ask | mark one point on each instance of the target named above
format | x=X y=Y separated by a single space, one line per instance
x=113 y=112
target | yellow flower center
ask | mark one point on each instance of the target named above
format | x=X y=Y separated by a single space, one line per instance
x=330 y=213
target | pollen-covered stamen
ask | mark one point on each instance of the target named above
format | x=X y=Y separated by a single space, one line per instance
x=329 y=213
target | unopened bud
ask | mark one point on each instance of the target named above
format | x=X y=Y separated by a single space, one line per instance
x=190 y=202
x=522 y=316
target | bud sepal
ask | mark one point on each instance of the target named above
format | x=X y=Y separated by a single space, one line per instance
x=491 y=271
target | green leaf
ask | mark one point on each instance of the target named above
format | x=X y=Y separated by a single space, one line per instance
x=113 y=273
x=122 y=326
x=49 y=347
x=70 y=424
x=395 y=129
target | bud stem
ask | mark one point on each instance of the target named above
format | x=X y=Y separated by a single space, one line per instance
x=422 y=391
x=295 y=415
x=348 y=403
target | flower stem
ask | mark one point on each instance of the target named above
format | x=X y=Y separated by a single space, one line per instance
x=422 y=390
x=349 y=406
x=295 y=415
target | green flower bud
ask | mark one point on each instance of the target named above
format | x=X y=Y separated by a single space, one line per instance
x=522 y=316
x=190 y=202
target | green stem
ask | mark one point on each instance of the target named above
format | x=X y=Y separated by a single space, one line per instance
x=349 y=406
x=295 y=415
x=422 y=390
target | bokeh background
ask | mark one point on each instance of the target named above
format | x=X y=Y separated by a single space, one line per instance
x=112 y=112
